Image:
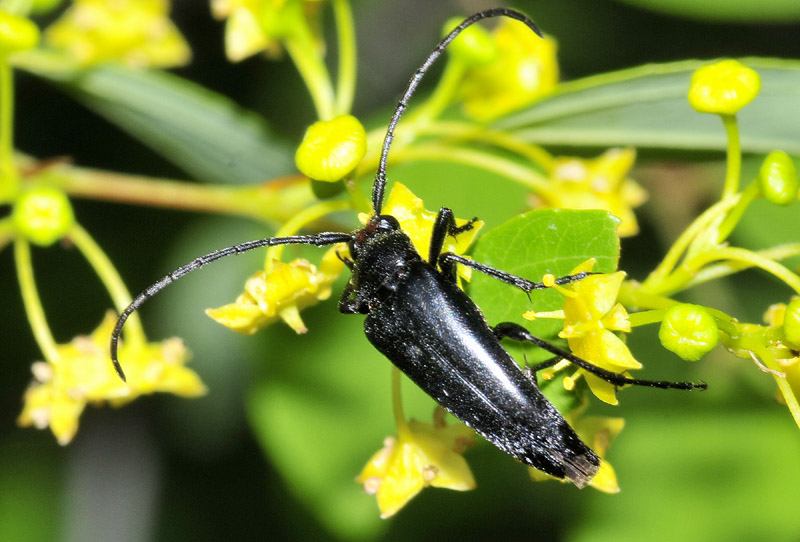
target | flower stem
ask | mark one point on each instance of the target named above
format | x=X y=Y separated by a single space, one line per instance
x=32 y=302
x=723 y=269
x=518 y=173
x=734 y=167
x=470 y=132
x=274 y=201
x=644 y=318
x=346 y=76
x=734 y=215
x=403 y=431
x=442 y=95
x=683 y=275
x=633 y=295
x=6 y=232
x=8 y=174
x=670 y=261
x=300 y=46
x=110 y=279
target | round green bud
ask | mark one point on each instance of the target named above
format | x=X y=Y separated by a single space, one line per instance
x=331 y=149
x=43 y=215
x=16 y=33
x=778 y=178
x=723 y=87
x=474 y=46
x=689 y=331
x=791 y=323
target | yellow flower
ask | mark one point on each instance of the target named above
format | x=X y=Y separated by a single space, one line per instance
x=135 y=32
x=421 y=455
x=601 y=183
x=417 y=223
x=281 y=292
x=254 y=26
x=598 y=432
x=723 y=87
x=591 y=315
x=84 y=374
x=525 y=69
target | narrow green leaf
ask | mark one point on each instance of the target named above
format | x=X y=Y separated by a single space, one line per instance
x=647 y=107
x=779 y=11
x=202 y=132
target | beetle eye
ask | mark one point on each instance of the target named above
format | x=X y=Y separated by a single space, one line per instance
x=386 y=222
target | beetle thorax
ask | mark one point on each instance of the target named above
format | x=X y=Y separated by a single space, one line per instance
x=382 y=255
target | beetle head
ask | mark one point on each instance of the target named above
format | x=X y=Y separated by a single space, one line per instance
x=378 y=226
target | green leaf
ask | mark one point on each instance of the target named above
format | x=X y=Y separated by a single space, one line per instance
x=647 y=107
x=531 y=245
x=200 y=131
x=780 y=11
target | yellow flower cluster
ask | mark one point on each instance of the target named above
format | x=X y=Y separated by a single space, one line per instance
x=83 y=374
x=254 y=26
x=601 y=183
x=135 y=32
x=590 y=319
x=591 y=316
x=524 y=69
x=421 y=455
x=279 y=293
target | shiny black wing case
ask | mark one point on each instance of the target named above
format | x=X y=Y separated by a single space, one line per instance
x=433 y=332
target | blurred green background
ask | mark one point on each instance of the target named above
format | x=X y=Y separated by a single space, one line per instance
x=720 y=465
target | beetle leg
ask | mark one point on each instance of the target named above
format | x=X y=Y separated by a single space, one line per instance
x=447 y=261
x=349 y=303
x=345 y=260
x=519 y=333
x=445 y=225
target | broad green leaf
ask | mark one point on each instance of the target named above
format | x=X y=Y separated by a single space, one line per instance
x=647 y=107
x=531 y=245
x=779 y=11
x=202 y=132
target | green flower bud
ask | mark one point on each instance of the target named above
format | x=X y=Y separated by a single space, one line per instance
x=689 y=331
x=16 y=33
x=791 y=323
x=43 y=215
x=723 y=87
x=474 y=46
x=331 y=149
x=778 y=178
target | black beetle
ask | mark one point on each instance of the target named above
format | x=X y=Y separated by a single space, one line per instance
x=420 y=319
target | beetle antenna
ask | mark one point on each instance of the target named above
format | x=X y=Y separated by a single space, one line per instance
x=379 y=185
x=320 y=239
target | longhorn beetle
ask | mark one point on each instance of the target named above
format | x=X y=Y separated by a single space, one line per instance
x=419 y=318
